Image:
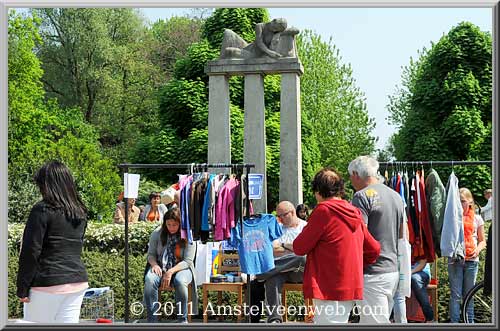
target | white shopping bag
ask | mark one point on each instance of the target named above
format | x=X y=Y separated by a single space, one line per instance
x=404 y=265
x=204 y=261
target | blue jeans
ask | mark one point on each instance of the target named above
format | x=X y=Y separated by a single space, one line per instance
x=180 y=281
x=399 y=308
x=462 y=278
x=419 y=282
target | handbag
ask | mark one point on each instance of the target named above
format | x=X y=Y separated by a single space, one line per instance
x=404 y=265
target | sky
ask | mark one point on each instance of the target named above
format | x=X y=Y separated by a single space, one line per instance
x=376 y=42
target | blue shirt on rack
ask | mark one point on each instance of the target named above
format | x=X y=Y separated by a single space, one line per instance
x=255 y=248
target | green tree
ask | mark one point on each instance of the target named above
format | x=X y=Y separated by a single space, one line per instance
x=184 y=103
x=333 y=103
x=332 y=107
x=39 y=131
x=171 y=39
x=443 y=108
x=98 y=60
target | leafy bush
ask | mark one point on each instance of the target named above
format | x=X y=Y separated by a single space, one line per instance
x=103 y=270
x=22 y=193
x=39 y=131
x=108 y=238
x=106 y=269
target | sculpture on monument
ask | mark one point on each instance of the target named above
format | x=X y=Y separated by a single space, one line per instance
x=272 y=39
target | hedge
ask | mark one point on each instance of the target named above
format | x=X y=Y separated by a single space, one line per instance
x=104 y=260
x=100 y=236
x=105 y=269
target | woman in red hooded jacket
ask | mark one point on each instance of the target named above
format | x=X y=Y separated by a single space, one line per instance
x=337 y=244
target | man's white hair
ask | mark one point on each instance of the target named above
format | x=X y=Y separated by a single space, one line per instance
x=365 y=166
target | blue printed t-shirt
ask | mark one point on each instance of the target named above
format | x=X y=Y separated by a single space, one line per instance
x=255 y=248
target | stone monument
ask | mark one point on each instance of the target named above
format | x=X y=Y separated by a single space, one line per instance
x=272 y=52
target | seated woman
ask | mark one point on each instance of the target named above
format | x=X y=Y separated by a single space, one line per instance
x=171 y=263
x=420 y=278
x=155 y=210
x=302 y=212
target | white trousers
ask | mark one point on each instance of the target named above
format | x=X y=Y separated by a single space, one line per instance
x=328 y=312
x=378 y=294
x=53 y=308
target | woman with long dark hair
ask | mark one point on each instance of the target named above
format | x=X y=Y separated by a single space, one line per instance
x=171 y=263
x=52 y=278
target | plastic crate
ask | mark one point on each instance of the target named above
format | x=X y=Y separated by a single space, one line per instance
x=98 y=305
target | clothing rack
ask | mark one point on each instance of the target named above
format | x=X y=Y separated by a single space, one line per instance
x=190 y=167
x=431 y=163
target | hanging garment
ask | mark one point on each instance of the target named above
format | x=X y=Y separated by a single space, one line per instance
x=207 y=210
x=225 y=210
x=400 y=188
x=413 y=225
x=214 y=191
x=255 y=243
x=452 y=234
x=425 y=225
x=406 y=190
x=184 y=187
x=418 y=245
x=436 y=202
x=240 y=209
x=198 y=202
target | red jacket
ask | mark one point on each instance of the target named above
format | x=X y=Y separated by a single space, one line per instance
x=337 y=243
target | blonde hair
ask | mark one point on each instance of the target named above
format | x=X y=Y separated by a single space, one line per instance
x=467 y=194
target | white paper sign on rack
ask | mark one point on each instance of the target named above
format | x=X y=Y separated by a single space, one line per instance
x=131 y=184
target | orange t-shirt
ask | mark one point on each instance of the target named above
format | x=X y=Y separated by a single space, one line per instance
x=153 y=215
x=469 y=229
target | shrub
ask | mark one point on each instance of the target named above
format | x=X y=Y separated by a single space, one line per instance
x=101 y=237
x=103 y=269
x=106 y=269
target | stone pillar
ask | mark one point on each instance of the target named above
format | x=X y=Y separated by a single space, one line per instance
x=254 y=150
x=219 y=131
x=290 y=140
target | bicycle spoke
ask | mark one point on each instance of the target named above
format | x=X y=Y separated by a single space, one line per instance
x=477 y=307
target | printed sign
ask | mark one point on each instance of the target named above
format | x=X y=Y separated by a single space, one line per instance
x=131 y=183
x=255 y=184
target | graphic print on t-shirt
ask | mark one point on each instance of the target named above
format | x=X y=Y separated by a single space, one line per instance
x=254 y=243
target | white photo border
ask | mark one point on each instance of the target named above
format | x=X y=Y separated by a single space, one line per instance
x=6 y=4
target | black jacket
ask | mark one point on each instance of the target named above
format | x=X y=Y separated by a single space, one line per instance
x=51 y=250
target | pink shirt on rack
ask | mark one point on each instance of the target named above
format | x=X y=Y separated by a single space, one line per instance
x=224 y=213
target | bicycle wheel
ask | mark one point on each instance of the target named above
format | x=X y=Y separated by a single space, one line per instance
x=477 y=306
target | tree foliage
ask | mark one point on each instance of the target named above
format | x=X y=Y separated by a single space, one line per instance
x=332 y=107
x=171 y=39
x=333 y=103
x=184 y=103
x=443 y=109
x=97 y=60
x=40 y=131
x=240 y=20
